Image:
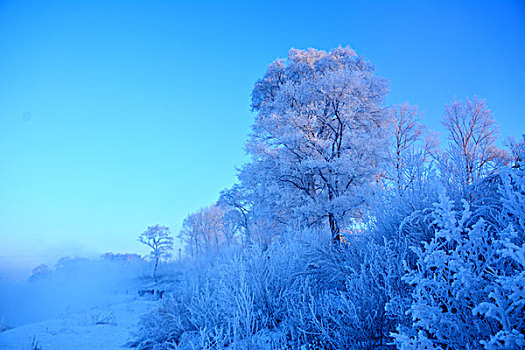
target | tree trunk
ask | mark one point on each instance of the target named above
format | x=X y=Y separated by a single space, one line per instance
x=334 y=228
x=155 y=269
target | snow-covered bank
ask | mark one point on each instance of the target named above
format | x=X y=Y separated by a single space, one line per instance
x=79 y=304
x=102 y=327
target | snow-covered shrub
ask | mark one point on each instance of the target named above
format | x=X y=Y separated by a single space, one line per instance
x=400 y=218
x=445 y=291
x=505 y=305
x=300 y=291
x=199 y=312
x=464 y=286
x=237 y=298
x=352 y=314
x=469 y=282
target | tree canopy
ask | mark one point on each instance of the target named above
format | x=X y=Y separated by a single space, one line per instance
x=317 y=141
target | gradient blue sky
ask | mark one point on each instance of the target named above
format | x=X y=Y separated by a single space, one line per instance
x=119 y=115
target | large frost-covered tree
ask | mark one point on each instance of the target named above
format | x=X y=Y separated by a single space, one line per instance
x=317 y=142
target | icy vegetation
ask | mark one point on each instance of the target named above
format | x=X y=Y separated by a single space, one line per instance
x=349 y=228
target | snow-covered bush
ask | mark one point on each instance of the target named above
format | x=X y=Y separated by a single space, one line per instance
x=351 y=313
x=505 y=305
x=235 y=298
x=464 y=287
x=469 y=282
x=300 y=291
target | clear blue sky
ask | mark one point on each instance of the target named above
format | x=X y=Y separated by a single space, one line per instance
x=119 y=115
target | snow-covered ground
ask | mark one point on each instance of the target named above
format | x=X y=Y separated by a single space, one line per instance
x=93 y=304
x=106 y=326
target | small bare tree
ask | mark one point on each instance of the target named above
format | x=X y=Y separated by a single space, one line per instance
x=472 y=134
x=410 y=139
x=160 y=240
